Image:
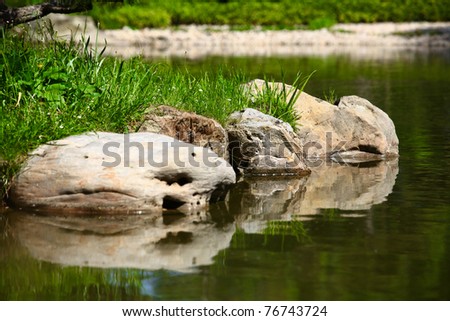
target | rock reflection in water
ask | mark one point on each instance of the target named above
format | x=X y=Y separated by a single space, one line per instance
x=346 y=187
x=256 y=201
x=151 y=242
x=349 y=186
x=180 y=243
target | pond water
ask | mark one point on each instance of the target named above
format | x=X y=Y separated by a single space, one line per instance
x=375 y=232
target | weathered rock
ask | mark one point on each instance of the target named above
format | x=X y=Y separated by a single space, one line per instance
x=150 y=242
x=116 y=172
x=355 y=126
x=326 y=130
x=185 y=126
x=260 y=144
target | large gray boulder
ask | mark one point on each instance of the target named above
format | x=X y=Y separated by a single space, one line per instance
x=121 y=172
x=260 y=144
x=353 y=130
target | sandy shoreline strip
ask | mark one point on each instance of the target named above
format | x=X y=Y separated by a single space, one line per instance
x=375 y=40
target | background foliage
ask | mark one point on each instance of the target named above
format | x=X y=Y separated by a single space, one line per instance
x=282 y=13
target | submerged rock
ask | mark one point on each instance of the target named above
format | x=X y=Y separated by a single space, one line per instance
x=121 y=172
x=185 y=126
x=263 y=145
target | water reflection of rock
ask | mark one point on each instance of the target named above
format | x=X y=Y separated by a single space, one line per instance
x=177 y=242
x=349 y=187
x=138 y=241
x=330 y=186
x=255 y=201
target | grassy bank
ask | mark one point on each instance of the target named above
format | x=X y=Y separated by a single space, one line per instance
x=280 y=14
x=54 y=89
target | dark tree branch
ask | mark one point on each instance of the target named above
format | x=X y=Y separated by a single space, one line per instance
x=10 y=17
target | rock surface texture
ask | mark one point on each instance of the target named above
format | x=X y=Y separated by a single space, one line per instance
x=117 y=172
x=185 y=126
x=354 y=130
x=260 y=144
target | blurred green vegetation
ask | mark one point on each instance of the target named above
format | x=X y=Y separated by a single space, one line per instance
x=314 y=14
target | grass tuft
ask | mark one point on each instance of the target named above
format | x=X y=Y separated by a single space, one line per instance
x=331 y=96
x=279 y=102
